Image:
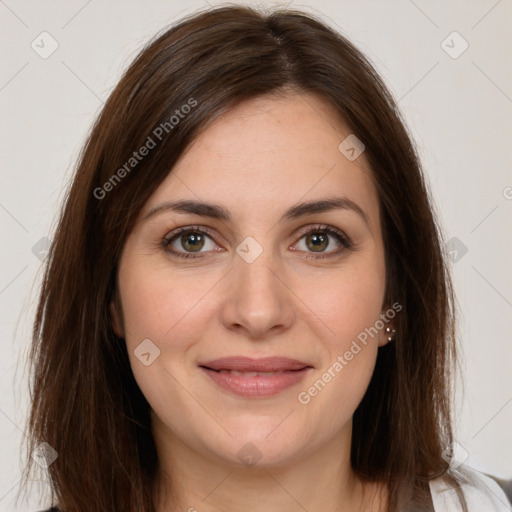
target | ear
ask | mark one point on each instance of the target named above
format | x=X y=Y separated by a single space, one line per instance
x=116 y=316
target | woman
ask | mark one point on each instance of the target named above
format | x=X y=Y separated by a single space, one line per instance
x=246 y=304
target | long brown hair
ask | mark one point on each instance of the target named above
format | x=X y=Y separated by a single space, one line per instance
x=85 y=402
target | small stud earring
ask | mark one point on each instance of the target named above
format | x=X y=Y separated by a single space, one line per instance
x=391 y=333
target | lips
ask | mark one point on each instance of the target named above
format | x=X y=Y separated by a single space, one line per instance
x=246 y=364
x=248 y=377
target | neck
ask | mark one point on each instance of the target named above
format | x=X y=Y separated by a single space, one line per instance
x=321 y=480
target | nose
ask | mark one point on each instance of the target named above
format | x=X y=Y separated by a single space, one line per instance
x=258 y=301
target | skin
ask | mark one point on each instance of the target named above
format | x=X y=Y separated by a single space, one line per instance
x=256 y=161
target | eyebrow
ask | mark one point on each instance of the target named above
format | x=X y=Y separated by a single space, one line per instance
x=299 y=210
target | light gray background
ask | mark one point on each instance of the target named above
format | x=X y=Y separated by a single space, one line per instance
x=458 y=109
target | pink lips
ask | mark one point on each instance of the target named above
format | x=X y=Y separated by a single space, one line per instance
x=248 y=377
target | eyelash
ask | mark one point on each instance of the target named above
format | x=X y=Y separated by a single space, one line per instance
x=345 y=242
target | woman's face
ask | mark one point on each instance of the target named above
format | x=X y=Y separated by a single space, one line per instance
x=257 y=285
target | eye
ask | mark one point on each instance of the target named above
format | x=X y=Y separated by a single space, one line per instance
x=316 y=240
x=187 y=241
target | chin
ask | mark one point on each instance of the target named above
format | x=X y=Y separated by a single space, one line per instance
x=259 y=450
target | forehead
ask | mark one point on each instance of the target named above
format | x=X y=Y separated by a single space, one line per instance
x=267 y=154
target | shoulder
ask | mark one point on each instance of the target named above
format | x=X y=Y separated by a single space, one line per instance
x=481 y=492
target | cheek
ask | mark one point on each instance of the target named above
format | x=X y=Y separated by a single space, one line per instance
x=167 y=310
x=171 y=310
x=351 y=347
x=348 y=302
x=155 y=302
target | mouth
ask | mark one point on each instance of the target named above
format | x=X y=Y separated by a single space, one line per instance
x=251 y=374
x=248 y=377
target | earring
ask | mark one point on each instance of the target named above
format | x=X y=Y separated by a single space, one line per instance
x=391 y=333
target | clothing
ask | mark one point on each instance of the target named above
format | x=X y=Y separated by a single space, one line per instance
x=482 y=493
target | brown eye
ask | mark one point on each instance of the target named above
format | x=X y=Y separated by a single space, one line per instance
x=187 y=242
x=317 y=242
x=318 y=238
x=192 y=241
